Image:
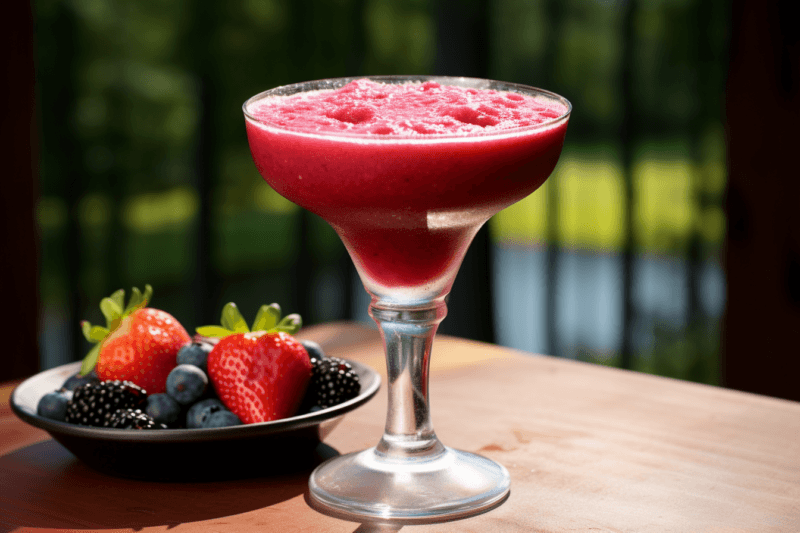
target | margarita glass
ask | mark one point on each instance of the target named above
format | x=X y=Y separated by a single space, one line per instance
x=407 y=198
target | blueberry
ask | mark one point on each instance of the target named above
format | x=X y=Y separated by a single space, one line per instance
x=221 y=419
x=163 y=408
x=73 y=382
x=53 y=405
x=202 y=409
x=195 y=354
x=313 y=349
x=186 y=384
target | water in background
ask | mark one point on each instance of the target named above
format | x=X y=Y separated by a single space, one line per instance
x=589 y=305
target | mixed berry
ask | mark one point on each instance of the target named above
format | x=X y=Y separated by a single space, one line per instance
x=132 y=419
x=93 y=404
x=226 y=376
x=334 y=381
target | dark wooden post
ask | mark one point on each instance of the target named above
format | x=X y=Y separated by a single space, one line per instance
x=462 y=49
x=627 y=136
x=761 y=339
x=19 y=263
x=205 y=287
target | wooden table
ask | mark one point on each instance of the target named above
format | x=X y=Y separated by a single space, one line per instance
x=589 y=448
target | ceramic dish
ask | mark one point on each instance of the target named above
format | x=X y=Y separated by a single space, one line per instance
x=191 y=454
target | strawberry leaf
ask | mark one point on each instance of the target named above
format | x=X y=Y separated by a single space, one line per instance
x=99 y=333
x=232 y=319
x=267 y=317
x=119 y=298
x=90 y=360
x=290 y=324
x=94 y=333
x=148 y=294
x=136 y=299
x=214 y=331
x=111 y=311
x=86 y=327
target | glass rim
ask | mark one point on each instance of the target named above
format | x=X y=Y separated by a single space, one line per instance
x=458 y=81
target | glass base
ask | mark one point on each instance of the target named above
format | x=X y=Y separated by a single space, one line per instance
x=370 y=486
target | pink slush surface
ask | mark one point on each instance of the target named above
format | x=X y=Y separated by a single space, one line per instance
x=429 y=108
x=379 y=186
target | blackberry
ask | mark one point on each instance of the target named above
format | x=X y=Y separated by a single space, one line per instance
x=93 y=403
x=132 y=419
x=333 y=381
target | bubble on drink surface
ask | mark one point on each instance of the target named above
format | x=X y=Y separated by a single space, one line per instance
x=411 y=109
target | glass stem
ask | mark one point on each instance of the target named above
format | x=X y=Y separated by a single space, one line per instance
x=408 y=336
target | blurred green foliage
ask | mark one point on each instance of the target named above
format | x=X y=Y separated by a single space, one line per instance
x=126 y=90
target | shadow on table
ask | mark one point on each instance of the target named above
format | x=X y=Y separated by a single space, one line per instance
x=44 y=485
x=377 y=528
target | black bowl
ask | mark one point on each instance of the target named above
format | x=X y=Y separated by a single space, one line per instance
x=265 y=448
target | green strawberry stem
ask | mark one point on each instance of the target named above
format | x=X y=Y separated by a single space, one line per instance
x=114 y=311
x=268 y=319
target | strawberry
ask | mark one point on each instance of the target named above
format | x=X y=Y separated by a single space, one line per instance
x=260 y=375
x=138 y=344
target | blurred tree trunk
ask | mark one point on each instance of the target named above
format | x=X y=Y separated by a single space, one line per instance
x=206 y=285
x=463 y=50
x=761 y=343
x=18 y=201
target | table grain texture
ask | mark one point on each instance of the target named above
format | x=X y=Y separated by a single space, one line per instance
x=589 y=449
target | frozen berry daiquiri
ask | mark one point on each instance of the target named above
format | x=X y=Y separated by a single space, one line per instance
x=405 y=173
x=406 y=169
